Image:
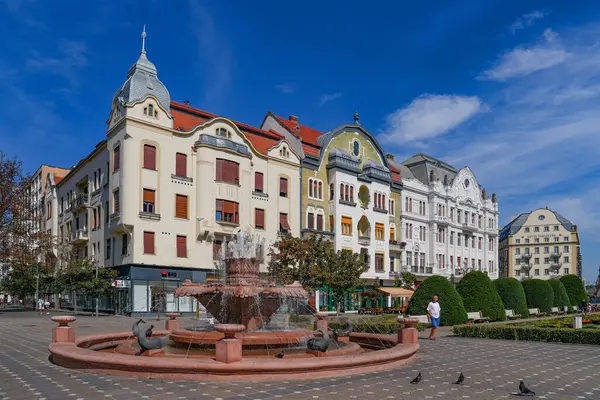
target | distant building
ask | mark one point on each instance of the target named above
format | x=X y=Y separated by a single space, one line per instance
x=540 y=244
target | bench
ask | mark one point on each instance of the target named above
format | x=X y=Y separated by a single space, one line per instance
x=510 y=314
x=535 y=312
x=476 y=317
x=556 y=310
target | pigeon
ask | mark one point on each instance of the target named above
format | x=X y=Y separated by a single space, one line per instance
x=461 y=379
x=417 y=379
x=524 y=390
x=280 y=354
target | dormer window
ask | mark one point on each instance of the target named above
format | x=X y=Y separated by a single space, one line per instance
x=284 y=153
x=223 y=132
x=356 y=148
x=150 y=111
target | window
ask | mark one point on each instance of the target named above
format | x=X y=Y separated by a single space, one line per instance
x=556 y=239
x=149 y=199
x=180 y=164
x=116 y=158
x=181 y=246
x=392 y=264
x=392 y=233
x=536 y=229
x=517 y=241
x=546 y=260
x=320 y=222
x=331 y=223
x=149 y=156
x=379 y=231
x=527 y=250
x=378 y=259
x=284 y=225
x=479 y=243
x=527 y=241
x=258 y=182
x=356 y=148
x=124 y=244
x=311 y=221
x=566 y=249
x=315 y=189
x=517 y=251
x=217 y=249
x=556 y=249
x=566 y=271
x=181 y=206
x=150 y=111
x=566 y=238
x=223 y=133
x=392 y=206
x=566 y=259
x=283 y=187
x=106 y=212
x=555 y=227
x=536 y=260
x=546 y=272
x=148 y=242
x=228 y=171
x=331 y=191
x=526 y=229
x=346 y=226
x=546 y=240
x=227 y=211
x=259 y=218
x=108 y=249
x=536 y=272
x=94 y=218
x=536 y=250
x=546 y=250
x=116 y=202
x=546 y=229
x=458 y=239
x=537 y=240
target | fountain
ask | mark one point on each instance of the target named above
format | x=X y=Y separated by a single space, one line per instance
x=242 y=344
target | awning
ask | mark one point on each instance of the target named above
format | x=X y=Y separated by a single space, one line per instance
x=396 y=291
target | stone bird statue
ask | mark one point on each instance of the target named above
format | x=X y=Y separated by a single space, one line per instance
x=319 y=344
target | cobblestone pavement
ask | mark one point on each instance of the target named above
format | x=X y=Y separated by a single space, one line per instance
x=492 y=369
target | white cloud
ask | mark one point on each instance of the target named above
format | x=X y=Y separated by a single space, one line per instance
x=286 y=88
x=327 y=97
x=522 y=61
x=72 y=58
x=526 y=20
x=429 y=116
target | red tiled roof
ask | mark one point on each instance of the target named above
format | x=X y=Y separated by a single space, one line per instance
x=57 y=179
x=310 y=150
x=306 y=134
x=396 y=176
x=186 y=118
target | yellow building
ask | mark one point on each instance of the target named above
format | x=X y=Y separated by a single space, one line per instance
x=540 y=244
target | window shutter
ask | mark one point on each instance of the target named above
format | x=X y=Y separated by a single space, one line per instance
x=149 y=196
x=180 y=164
x=283 y=186
x=283 y=221
x=259 y=218
x=148 y=242
x=219 y=172
x=392 y=233
x=181 y=206
x=320 y=222
x=181 y=246
x=258 y=182
x=351 y=193
x=341 y=191
x=229 y=207
x=236 y=172
x=117 y=158
x=311 y=221
x=149 y=156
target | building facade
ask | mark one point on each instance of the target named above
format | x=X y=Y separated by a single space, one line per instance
x=540 y=244
x=167 y=186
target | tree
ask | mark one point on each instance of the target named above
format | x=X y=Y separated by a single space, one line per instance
x=406 y=281
x=512 y=294
x=561 y=298
x=478 y=294
x=451 y=305
x=539 y=294
x=574 y=288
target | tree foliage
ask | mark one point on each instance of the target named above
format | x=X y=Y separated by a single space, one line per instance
x=478 y=294
x=574 y=288
x=561 y=298
x=407 y=281
x=451 y=305
x=512 y=294
x=79 y=277
x=539 y=294
x=313 y=262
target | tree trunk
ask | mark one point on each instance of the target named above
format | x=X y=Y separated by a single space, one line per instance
x=75 y=303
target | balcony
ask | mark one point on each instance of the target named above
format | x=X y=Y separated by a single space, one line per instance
x=441 y=220
x=470 y=228
x=150 y=216
x=380 y=210
x=421 y=270
x=556 y=255
x=82 y=201
x=555 y=266
x=364 y=240
x=396 y=246
x=347 y=203
x=80 y=236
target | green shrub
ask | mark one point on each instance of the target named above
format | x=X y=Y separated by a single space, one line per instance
x=561 y=299
x=451 y=305
x=512 y=294
x=382 y=324
x=539 y=294
x=478 y=294
x=574 y=288
x=512 y=332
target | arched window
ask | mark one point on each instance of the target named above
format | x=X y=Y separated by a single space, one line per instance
x=150 y=110
x=356 y=148
x=341 y=191
x=346 y=194
x=352 y=193
x=320 y=189
x=383 y=202
x=310 y=189
x=331 y=191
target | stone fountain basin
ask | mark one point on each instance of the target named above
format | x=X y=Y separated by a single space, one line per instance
x=267 y=338
x=385 y=354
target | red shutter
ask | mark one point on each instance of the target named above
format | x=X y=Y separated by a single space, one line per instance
x=148 y=242
x=181 y=246
x=236 y=172
x=180 y=164
x=181 y=206
x=283 y=221
x=258 y=182
x=219 y=174
x=283 y=186
x=311 y=221
x=259 y=218
x=320 y=222
x=149 y=156
x=117 y=158
x=149 y=196
x=341 y=191
x=352 y=193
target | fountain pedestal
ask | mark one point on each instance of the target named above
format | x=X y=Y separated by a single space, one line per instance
x=229 y=349
x=63 y=333
x=408 y=334
x=172 y=323
x=321 y=322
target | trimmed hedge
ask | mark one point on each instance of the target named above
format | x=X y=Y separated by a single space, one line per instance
x=539 y=294
x=561 y=299
x=478 y=294
x=451 y=305
x=508 y=332
x=574 y=288
x=512 y=294
x=383 y=324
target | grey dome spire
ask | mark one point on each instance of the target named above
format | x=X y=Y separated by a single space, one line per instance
x=142 y=81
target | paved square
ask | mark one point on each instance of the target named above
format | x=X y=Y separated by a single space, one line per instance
x=492 y=369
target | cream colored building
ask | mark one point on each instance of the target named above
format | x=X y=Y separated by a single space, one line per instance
x=156 y=199
x=539 y=244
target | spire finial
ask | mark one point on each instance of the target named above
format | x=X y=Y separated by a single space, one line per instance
x=144 y=40
x=356 y=118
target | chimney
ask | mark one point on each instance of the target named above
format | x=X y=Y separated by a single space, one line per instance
x=389 y=156
x=186 y=102
x=293 y=118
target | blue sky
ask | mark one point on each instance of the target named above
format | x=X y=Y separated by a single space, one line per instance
x=510 y=89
